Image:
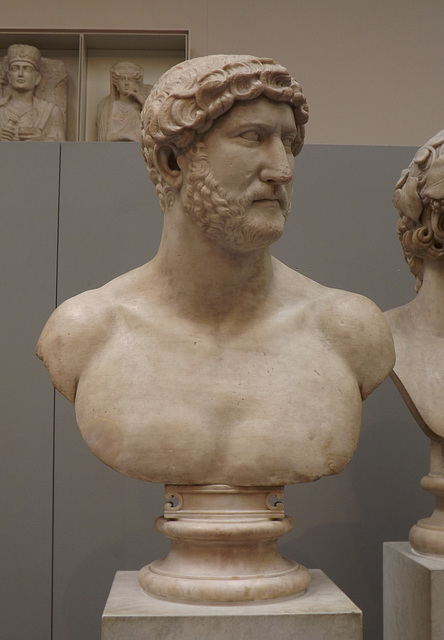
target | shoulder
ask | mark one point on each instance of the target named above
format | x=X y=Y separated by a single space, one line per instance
x=80 y=327
x=104 y=105
x=398 y=319
x=43 y=105
x=72 y=335
x=345 y=311
x=83 y=312
x=349 y=324
x=414 y=348
x=358 y=330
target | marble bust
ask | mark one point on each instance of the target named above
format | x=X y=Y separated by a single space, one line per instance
x=118 y=114
x=417 y=326
x=214 y=364
x=24 y=115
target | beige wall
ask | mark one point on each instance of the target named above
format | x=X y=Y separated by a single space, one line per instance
x=372 y=71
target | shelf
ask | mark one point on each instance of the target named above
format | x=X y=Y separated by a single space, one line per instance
x=88 y=56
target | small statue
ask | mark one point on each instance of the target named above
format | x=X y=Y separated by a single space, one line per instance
x=23 y=114
x=418 y=326
x=214 y=368
x=118 y=115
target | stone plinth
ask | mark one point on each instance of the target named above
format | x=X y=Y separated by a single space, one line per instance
x=322 y=612
x=413 y=594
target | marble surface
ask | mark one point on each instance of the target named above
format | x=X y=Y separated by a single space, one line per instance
x=181 y=369
x=215 y=363
x=413 y=594
x=417 y=326
x=323 y=612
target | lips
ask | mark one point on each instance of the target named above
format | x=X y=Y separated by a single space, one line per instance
x=280 y=198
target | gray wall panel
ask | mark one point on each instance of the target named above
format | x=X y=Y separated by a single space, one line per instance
x=342 y=233
x=29 y=196
x=342 y=227
x=110 y=223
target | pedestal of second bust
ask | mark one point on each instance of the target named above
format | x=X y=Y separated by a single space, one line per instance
x=322 y=612
x=413 y=594
x=224 y=546
x=427 y=535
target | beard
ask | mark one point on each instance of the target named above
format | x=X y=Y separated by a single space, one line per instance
x=226 y=219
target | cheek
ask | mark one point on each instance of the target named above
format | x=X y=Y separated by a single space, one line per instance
x=234 y=171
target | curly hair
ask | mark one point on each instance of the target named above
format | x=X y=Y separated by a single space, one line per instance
x=188 y=98
x=419 y=198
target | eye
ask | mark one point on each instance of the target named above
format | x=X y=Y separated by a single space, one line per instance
x=288 y=142
x=251 y=135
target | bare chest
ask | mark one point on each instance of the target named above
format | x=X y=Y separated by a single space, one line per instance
x=263 y=406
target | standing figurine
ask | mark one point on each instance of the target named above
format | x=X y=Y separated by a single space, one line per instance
x=118 y=115
x=23 y=115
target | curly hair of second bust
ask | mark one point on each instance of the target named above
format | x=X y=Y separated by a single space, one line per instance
x=421 y=215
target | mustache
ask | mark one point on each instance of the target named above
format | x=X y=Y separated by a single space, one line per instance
x=276 y=192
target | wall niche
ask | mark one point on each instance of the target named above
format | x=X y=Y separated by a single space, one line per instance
x=88 y=57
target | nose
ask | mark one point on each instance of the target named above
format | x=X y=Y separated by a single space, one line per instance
x=278 y=164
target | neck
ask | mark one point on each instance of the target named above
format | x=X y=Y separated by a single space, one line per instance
x=206 y=280
x=427 y=309
x=22 y=97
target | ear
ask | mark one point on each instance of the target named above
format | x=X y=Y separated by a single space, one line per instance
x=166 y=163
x=38 y=79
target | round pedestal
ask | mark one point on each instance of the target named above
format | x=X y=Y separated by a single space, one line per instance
x=427 y=535
x=224 y=546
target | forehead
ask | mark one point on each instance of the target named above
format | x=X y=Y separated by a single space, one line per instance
x=126 y=73
x=24 y=64
x=261 y=112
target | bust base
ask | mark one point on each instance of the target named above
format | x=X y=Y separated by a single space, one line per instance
x=427 y=535
x=427 y=539
x=224 y=546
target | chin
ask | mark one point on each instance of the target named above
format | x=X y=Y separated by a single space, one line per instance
x=253 y=237
x=266 y=231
